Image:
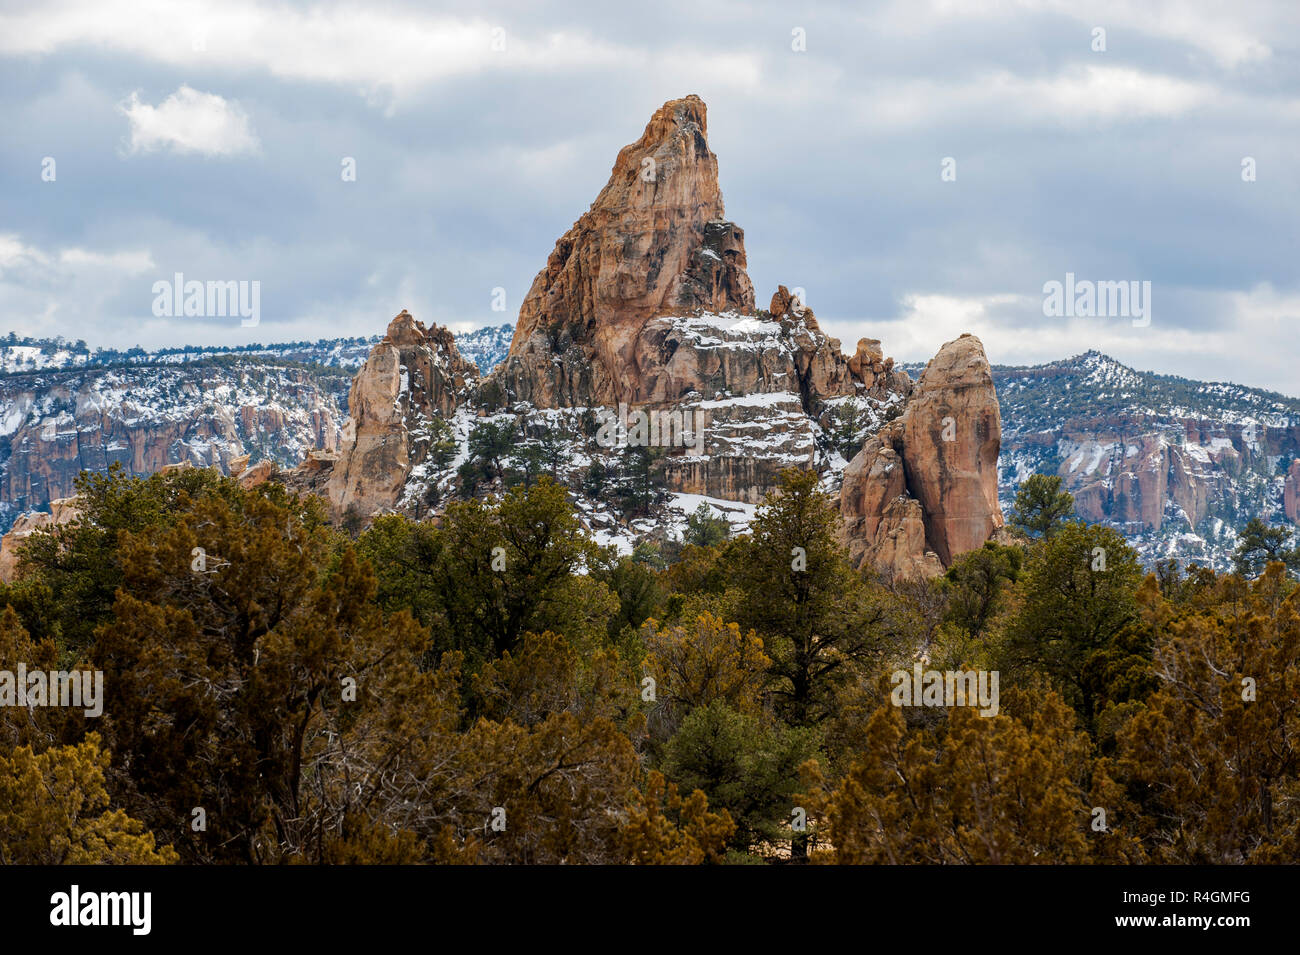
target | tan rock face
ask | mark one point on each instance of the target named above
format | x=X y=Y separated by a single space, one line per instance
x=1117 y=473
x=207 y=416
x=941 y=455
x=312 y=476
x=410 y=376
x=61 y=511
x=951 y=436
x=1291 y=493
x=655 y=242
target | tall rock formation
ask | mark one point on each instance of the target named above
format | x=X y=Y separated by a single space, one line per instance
x=924 y=489
x=411 y=376
x=1291 y=493
x=645 y=303
x=655 y=242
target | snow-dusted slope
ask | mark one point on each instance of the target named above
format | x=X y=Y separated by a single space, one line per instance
x=1178 y=465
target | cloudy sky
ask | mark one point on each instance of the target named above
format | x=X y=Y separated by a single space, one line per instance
x=209 y=138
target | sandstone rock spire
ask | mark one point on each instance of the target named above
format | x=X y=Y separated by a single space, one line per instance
x=934 y=468
x=412 y=375
x=655 y=242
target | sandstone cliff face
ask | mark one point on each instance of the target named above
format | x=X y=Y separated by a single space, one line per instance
x=1291 y=493
x=655 y=242
x=924 y=490
x=54 y=425
x=1177 y=466
x=411 y=376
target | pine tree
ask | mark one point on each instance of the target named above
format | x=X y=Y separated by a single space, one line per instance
x=1042 y=505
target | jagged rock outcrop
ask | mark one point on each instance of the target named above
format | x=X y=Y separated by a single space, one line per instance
x=934 y=469
x=1291 y=493
x=612 y=317
x=645 y=305
x=882 y=523
x=655 y=242
x=411 y=376
x=952 y=431
x=61 y=511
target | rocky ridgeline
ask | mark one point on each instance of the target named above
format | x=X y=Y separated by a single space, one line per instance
x=56 y=423
x=645 y=308
x=1177 y=465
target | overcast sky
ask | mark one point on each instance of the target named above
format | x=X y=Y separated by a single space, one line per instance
x=208 y=138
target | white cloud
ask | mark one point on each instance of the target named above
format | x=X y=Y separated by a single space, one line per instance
x=1232 y=35
x=190 y=121
x=1077 y=94
x=68 y=263
x=376 y=49
x=65 y=290
x=124 y=262
x=15 y=255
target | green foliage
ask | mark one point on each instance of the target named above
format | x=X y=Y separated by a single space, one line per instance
x=640 y=480
x=442 y=443
x=705 y=530
x=54 y=811
x=1077 y=609
x=381 y=701
x=743 y=764
x=1259 y=545
x=491 y=572
x=1042 y=505
x=490 y=445
x=978 y=584
x=79 y=562
x=814 y=613
x=632 y=579
x=847 y=428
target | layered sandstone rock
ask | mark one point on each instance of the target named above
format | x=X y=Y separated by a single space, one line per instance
x=952 y=430
x=60 y=423
x=644 y=305
x=655 y=242
x=1129 y=478
x=612 y=317
x=61 y=511
x=1291 y=493
x=924 y=489
x=411 y=376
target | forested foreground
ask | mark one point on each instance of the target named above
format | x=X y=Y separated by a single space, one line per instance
x=497 y=688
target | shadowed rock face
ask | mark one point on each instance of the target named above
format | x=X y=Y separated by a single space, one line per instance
x=940 y=455
x=1291 y=493
x=410 y=376
x=952 y=432
x=655 y=242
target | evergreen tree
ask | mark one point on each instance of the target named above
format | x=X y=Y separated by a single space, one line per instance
x=1042 y=505
x=1259 y=545
x=813 y=612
